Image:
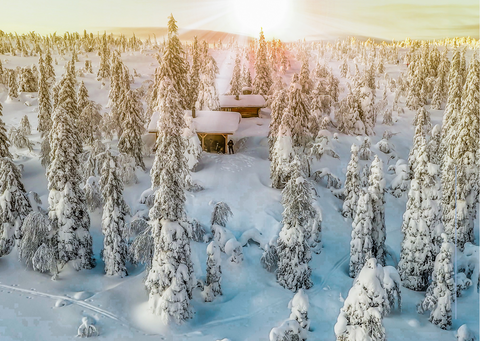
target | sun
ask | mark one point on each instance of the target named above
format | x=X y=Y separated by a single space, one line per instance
x=255 y=14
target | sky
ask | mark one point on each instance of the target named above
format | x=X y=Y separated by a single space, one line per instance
x=284 y=19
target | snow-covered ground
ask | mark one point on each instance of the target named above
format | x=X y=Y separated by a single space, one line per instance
x=33 y=307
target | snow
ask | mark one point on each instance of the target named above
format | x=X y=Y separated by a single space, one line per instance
x=244 y=101
x=252 y=302
x=208 y=122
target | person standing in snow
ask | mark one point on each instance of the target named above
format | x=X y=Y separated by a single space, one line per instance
x=230 y=147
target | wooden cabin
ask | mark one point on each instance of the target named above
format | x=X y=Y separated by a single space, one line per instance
x=213 y=128
x=246 y=105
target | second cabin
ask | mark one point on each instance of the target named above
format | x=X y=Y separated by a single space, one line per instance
x=246 y=105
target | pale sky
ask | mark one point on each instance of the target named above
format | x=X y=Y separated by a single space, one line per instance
x=284 y=19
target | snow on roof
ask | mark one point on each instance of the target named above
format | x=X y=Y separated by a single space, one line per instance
x=244 y=101
x=208 y=122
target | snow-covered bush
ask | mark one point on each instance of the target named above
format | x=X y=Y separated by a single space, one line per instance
x=387 y=117
x=93 y=196
x=87 y=329
x=384 y=145
x=299 y=305
x=221 y=213
x=141 y=249
x=289 y=330
x=401 y=182
x=45 y=259
x=332 y=180
x=269 y=258
x=465 y=334
x=36 y=231
x=19 y=139
x=234 y=249
x=363 y=310
x=364 y=152
x=221 y=235
x=25 y=126
x=212 y=286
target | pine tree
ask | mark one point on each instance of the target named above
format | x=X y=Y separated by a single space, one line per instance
x=170 y=144
x=246 y=76
x=208 y=96
x=352 y=185
x=88 y=123
x=304 y=79
x=115 y=210
x=130 y=142
x=263 y=78
x=68 y=211
x=173 y=66
x=236 y=81
x=278 y=106
x=293 y=250
x=4 y=143
x=104 y=67
x=376 y=191
x=364 y=308
x=282 y=156
x=214 y=273
x=417 y=255
x=83 y=100
x=298 y=105
x=49 y=71
x=362 y=243
x=44 y=102
x=194 y=75
x=461 y=150
x=25 y=126
x=12 y=84
x=14 y=205
x=440 y=294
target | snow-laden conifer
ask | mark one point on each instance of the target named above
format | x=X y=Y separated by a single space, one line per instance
x=293 y=249
x=376 y=190
x=352 y=185
x=212 y=286
x=14 y=205
x=4 y=143
x=263 y=77
x=114 y=225
x=362 y=313
x=440 y=294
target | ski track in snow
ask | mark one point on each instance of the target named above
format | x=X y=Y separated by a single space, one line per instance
x=334 y=268
x=80 y=303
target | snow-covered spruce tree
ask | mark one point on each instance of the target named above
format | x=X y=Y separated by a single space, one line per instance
x=419 y=135
x=83 y=100
x=208 y=96
x=115 y=210
x=14 y=205
x=104 y=67
x=364 y=153
x=282 y=156
x=36 y=231
x=93 y=197
x=12 y=84
x=367 y=302
x=88 y=123
x=422 y=118
x=299 y=305
x=44 y=102
x=49 y=71
x=174 y=66
x=376 y=190
x=440 y=294
x=462 y=150
x=278 y=106
x=352 y=185
x=361 y=245
x=170 y=141
x=236 y=81
x=303 y=130
x=417 y=255
x=263 y=77
x=343 y=68
x=212 y=286
x=4 y=143
x=25 y=126
x=293 y=251
x=68 y=211
x=27 y=80
x=304 y=78
x=246 y=76
x=194 y=74
x=130 y=142
x=220 y=215
x=170 y=280
x=433 y=145
x=289 y=330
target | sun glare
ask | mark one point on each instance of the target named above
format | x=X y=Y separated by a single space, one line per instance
x=255 y=14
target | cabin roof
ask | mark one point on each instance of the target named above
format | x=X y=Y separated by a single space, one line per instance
x=244 y=101
x=208 y=122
